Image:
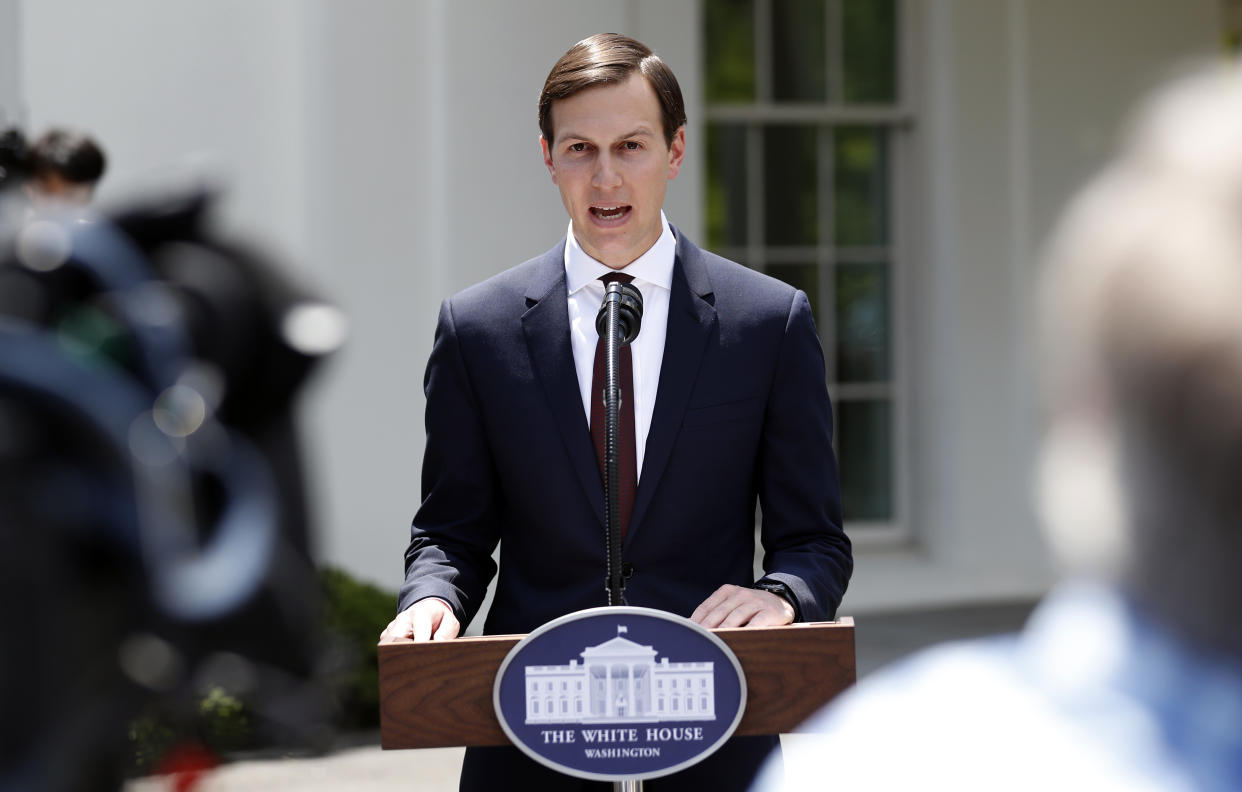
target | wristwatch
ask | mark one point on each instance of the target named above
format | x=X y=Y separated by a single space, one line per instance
x=781 y=590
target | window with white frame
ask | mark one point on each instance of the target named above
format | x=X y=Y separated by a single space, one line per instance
x=804 y=113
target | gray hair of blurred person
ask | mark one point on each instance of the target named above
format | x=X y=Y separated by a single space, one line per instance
x=1141 y=336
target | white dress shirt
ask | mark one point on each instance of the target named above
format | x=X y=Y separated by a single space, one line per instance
x=653 y=275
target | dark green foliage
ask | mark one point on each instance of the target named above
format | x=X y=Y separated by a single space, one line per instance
x=223 y=723
x=354 y=615
x=217 y=725
x=151 y=738
x=225 y=720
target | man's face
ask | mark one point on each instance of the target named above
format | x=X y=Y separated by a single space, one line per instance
x=612 y=166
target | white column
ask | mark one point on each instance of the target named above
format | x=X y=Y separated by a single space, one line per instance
x=591 y=690
x=631 y=700
x=608 y=699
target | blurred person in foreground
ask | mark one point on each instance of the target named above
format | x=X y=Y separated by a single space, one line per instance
x=1128 y=675
x=154 y=537
x=728 y=407
x=64 y=168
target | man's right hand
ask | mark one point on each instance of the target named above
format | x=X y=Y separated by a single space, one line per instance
x=429 y=619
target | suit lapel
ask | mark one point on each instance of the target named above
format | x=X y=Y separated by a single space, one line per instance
x=691 y=321
x=546 y=326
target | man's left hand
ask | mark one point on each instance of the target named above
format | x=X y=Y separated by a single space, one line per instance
x=734 y=606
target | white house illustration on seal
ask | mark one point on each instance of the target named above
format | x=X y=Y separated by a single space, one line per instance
x=620 y=681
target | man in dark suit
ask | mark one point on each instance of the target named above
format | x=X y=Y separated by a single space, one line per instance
x=729 y=406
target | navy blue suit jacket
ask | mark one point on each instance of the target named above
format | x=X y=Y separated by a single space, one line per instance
x=741 y=414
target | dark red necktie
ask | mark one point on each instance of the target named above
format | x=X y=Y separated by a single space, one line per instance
x=627 y=458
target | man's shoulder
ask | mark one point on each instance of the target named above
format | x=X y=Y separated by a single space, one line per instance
x=510 y=289
x=727 y=275
x=733 y=283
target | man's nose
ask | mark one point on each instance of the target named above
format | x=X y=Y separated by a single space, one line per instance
x=606 y=175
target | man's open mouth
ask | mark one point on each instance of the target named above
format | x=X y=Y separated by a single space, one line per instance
x=611 y=212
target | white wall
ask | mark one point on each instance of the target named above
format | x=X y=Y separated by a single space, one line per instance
x=11 y=112
x=159 y=83
x=389 y=149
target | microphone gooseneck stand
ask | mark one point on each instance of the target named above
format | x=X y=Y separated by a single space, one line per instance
x=618 y=323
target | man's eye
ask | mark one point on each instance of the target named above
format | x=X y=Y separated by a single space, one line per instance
x=632 y=145
x=577 y=147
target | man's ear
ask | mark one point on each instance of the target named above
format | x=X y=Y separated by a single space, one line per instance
x=547 y=157
x=676 y=152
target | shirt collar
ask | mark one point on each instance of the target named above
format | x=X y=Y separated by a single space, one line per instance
x=655 y=267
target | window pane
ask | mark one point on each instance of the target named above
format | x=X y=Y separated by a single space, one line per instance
x=860 y=185
x=729 y=45
x=726 y=185
x=870 y=51
x=789 y=185
x=862 y=320
x=864 y=432
x=800 y=276
x=799 y=73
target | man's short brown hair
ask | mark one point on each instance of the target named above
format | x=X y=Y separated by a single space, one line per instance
x=607 y=59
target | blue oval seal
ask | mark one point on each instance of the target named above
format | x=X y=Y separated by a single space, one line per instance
x=620 y=694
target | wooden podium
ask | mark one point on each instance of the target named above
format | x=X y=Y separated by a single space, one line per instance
x=439 y=694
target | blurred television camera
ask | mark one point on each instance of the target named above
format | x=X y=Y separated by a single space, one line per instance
x=154 y=531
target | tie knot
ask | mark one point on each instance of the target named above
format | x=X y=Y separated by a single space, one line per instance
x=615 y=276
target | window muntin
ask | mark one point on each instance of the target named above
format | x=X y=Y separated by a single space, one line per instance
x=803 y=113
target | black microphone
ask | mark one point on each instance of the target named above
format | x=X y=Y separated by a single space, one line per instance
x=629 y=302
